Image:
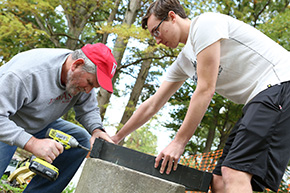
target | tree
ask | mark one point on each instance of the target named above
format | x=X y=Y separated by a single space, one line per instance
x=142 y=140
x=27 y=24
x=39 y=23
x=119 y=49
x=136 y=91
x=277 y=28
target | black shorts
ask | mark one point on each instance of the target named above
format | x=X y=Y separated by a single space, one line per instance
x=259 y=143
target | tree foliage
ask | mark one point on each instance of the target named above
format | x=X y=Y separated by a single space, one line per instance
x=277 y=28
x=142 y=140
x=28 y=24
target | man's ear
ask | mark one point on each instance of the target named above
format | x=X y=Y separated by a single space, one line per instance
x=77 y=63
x=172 y=15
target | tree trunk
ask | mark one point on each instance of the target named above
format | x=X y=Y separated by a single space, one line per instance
x=224 y=135
x=135 y=94
x=209 y=140
x=119 y=49
x=111 y=19
x=131 y=105
x=77 y=16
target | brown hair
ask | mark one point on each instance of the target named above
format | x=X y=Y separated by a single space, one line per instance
x=160 y=9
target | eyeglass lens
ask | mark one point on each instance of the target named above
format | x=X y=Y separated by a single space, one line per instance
x=156 y=33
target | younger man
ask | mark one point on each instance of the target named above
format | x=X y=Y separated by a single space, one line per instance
x=229 y=57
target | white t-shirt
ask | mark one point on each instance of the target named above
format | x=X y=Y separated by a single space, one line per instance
x=249 y=62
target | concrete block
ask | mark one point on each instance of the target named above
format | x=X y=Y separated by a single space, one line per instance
x=192 y=179
x=100 y=176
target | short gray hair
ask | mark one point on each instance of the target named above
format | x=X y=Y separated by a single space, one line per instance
x=89 y=66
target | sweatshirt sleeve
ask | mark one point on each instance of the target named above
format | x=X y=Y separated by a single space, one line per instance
x=13 y=96
x=88 y=112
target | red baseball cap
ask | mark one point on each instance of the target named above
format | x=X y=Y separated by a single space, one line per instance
x=105 y=62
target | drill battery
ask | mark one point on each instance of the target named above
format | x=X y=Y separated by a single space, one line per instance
x=43 y=168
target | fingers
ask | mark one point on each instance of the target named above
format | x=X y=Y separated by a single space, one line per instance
x=49 y=158
x=115 y=139
x=51 y=151
x=60 y=148
x=168 y=161
x=101 y=134
x=92 y=141
x=172 y=163
x=175 y=164
x=157 y=160
x=163 y=165
x=106 y=137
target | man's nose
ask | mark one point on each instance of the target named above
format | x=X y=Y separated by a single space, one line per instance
x=88 y=89
x=158 y=40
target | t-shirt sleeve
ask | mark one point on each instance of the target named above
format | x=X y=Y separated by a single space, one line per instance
x=209 y=28
x=175 y=72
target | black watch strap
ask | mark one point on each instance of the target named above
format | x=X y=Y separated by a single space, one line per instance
x=102 y=129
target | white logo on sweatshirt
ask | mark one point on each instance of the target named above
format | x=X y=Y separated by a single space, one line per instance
x=114 y=68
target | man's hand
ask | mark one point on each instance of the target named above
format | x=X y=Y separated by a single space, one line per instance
x=46 y=149
x=97 y=133
x=115 y=139
x=170 y=156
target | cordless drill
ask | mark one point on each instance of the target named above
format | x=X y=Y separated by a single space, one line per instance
x=45 y=169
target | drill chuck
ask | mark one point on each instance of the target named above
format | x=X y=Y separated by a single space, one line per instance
x=83 y=147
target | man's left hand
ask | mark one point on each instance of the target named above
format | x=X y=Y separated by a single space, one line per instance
x=170 y=156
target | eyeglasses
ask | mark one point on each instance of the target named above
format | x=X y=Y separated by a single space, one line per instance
x=156 y=33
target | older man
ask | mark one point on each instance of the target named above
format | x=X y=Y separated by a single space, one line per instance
x=37 y=88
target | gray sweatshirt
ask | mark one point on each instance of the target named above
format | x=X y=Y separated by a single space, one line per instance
x=32 y=96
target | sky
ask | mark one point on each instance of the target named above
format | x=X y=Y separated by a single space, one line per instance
x=117 y=104
x=115 y=111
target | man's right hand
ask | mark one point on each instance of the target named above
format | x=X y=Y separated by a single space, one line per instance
x=97 y=133
x=46 y=149
x=115 y=139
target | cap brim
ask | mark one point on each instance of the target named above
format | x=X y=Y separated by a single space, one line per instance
x=104 y=81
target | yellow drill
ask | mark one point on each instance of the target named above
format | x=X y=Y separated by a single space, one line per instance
x=66 y=140
x=45 y=169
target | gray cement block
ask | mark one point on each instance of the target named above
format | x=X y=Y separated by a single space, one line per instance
x=192 y=179
x=100 y=176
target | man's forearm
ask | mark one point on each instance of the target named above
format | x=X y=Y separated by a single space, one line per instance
x=196 y=110
x=140 y=117
x=149 y=108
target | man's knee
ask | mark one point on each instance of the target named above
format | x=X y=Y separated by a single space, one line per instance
x=217 y=184
x=235 y=176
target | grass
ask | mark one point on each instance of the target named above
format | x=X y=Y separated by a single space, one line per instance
x=6 y=187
